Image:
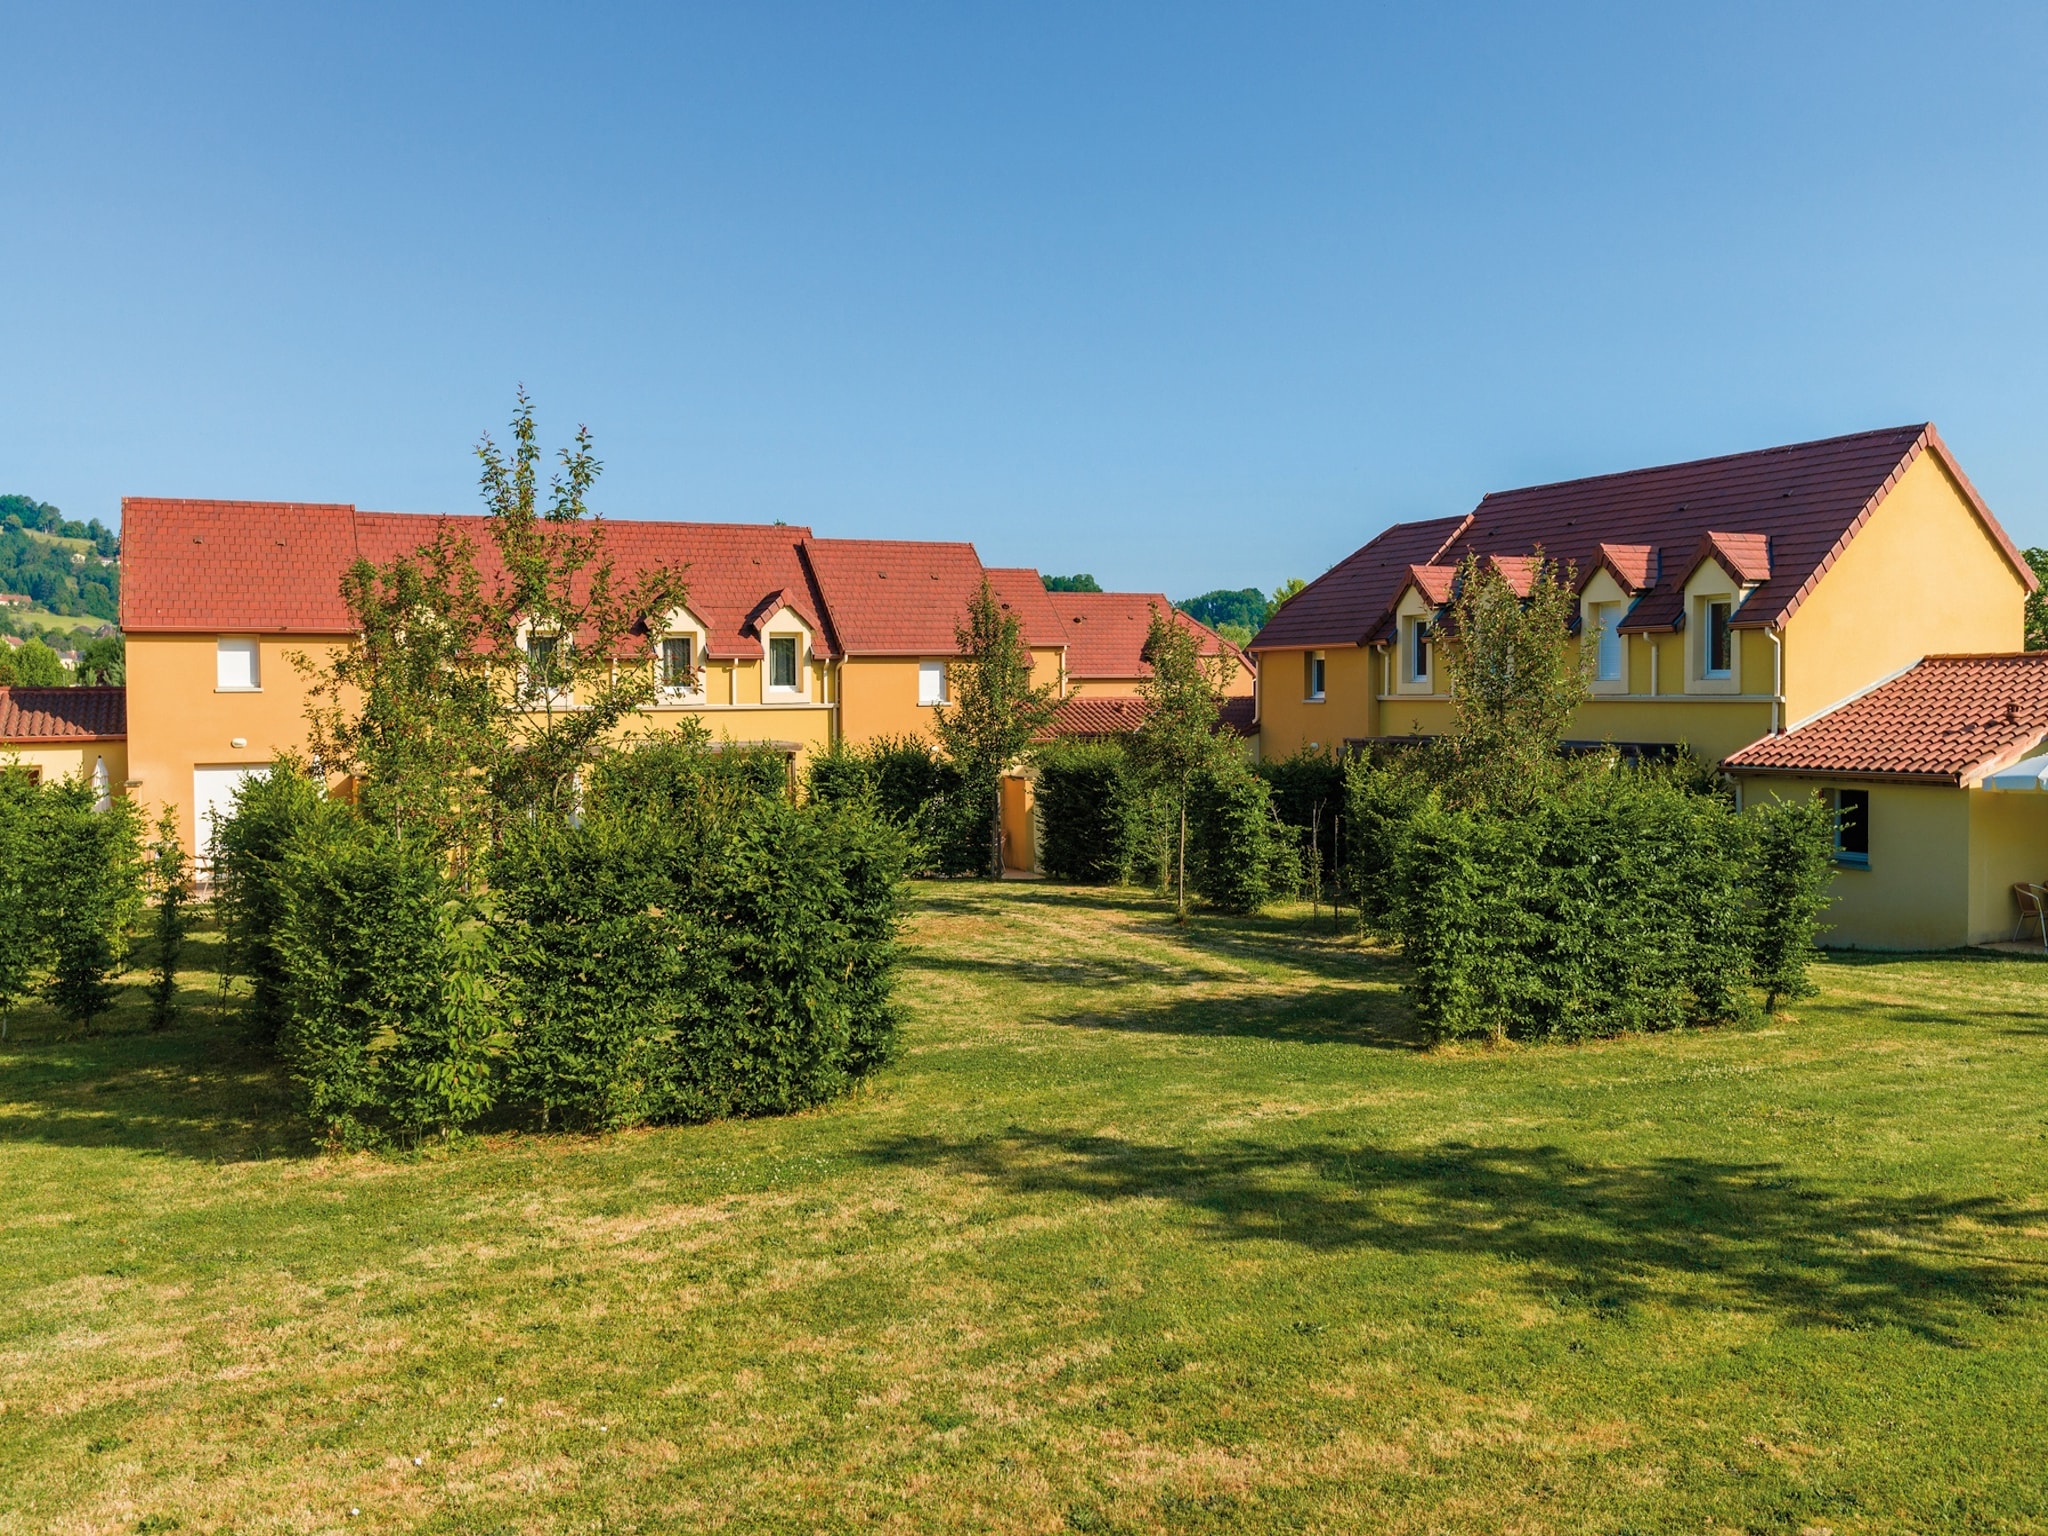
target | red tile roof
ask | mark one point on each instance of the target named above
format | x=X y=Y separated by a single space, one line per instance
x=1778 y=516
x=1019 y=589
x=1095 y=717
x=1105 y=632
x=37 y=715
x=1341 y=606
x=1948 y=719
x=895 y=597
x=1807 y=499
x=209 y=567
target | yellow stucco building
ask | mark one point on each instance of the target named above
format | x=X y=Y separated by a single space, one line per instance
x=780 y=638
x=1720 y=601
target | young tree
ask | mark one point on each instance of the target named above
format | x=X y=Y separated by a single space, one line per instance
x=1283 y=594
x=467 y=696
x=37 y=666
x=170 y=878
x=1514 y=683
x=996 y=712
x=1177 y=738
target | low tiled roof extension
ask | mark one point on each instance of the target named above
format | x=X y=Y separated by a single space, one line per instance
x=894 y=597
x=1341 y=606
x=1105 y=632
x=1098 y=717
x=1946 y=720
x=43 y=715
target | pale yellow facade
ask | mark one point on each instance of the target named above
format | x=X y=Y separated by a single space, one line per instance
x=1942 y=865
x=1923 y=576
x=80 y=760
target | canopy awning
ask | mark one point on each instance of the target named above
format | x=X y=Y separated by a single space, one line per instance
x=2030 y=774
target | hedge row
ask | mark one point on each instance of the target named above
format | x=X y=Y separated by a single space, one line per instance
x=1624 y=902
x=912 y=786
x=70 y=893
x=691 y=946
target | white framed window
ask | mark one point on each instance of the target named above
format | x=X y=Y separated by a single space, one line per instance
x=677 y=658
x=547 y=675
x=931 y=683
x=1717 y=638
x=1418 y=650
x=1313 y=681
x=1605 y=621
x=782 y=658
x=237 y=666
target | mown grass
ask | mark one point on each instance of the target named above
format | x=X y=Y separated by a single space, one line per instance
x=1147 y=1231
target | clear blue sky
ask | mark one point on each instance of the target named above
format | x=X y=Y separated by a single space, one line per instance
x=1183 y=296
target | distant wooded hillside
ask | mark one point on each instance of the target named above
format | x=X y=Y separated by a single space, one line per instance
x=67 y=567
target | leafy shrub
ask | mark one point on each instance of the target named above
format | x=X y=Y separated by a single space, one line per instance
x=1092 y=812
x=1241 y=855
x=1308 y=794
x=672 y=769
x=1793 y=865
x=734 y=961
x=249 y=880
x=170 y=880
x=21 y=933
x=1382 y=792
x=912 y=786
x=389 y=1021
x=89 y=865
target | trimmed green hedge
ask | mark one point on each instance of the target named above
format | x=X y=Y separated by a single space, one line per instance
x=910 y=783
x=1094 y=819
x=1240 y=854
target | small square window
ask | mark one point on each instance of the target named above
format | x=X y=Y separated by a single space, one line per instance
x=1315 y=674
x=1852 y=826
x=679 y=663
x=236 y=666
x=782 y=661
x=931 y=682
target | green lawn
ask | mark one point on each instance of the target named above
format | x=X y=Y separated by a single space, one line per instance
x=1147 y=1231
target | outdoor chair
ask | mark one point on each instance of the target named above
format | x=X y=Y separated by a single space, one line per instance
x=2033 y=902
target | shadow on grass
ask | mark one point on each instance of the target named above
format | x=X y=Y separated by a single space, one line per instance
x=200 y=1089
x=1685 y=1231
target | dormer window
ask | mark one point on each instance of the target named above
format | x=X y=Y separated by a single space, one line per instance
x=1604 y=619
x=1718 y=639
x=782 y=662
x=1418 y=650
x=547 y=673
x=679 y=664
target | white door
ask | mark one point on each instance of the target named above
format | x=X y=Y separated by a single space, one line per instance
x=213 y=794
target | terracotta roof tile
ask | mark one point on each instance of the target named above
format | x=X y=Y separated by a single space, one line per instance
x=1948 y=719
x=62 y=714
x=1094 y=717
x=1341 y=606
x=1633 y=566
x=895 y=597
x=1020 y=589
x=1105 y=632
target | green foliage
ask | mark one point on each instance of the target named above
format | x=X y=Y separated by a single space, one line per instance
x=1245 y=608
x=102 y=662
x=170 y=888
x=915 y=789
x=675 y=769
x=248 y=863
x=1793 y=867
x=995 y=714
x=1096 y=823
x=2036 y=609
x=35 y=665
x=89 y=875
x=1382 y=792
x=60 y=563
x=1308 y=795
x=1176 y=738
x=1081 y=583
x=1241 y=854
x=21 y=931
x=390 y=1019
x=1284 y=593
x=1514 y=684
x=731 y=961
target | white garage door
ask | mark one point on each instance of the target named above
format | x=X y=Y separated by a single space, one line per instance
x=213 y=792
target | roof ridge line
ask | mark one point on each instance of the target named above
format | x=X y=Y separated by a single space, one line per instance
x=1714 y=458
